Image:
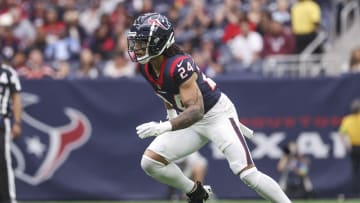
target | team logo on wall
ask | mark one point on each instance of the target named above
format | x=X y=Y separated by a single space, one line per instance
x=44 y=148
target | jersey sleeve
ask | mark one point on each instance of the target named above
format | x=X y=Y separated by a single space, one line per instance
x=343 y=129
x=14 y=81
x=182 y=69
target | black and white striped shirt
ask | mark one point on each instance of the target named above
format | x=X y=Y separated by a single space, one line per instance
x=9 y=84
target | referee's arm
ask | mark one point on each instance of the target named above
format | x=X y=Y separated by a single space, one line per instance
x=17 y=110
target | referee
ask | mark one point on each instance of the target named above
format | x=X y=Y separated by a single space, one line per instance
x=10 y=110
x=350 y=133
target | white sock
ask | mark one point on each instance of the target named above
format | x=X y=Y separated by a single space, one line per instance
x=264 y=186
x=169 y=174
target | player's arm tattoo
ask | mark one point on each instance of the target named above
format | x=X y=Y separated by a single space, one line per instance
x=194 y=106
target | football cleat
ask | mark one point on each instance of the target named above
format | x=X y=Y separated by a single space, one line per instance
x=201 y=193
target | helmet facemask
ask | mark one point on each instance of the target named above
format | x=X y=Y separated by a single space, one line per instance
x=152 y=47
x=135 y=45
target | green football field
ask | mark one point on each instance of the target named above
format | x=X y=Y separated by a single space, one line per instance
x=213 y=201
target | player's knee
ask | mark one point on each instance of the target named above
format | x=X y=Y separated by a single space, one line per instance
x=235 y=166
x=251 y=177
x=150 y=166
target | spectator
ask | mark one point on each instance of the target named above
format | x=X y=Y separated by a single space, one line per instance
x=19 y=60
x=353 y=65
x=350 y=135
x=119 y=66
x=53 y=26
x=8 y=42
x=207 y=58
x=245 y=49
x=40 y=40
x=35 y=67
x=174 y=15
x=195 y=23
x=38 y=13
x=306 y=17
x=105 y=19
x=102 y=43
x=254 y=11
x=119 y=18
x=121 y=42
x=227 y=12
x=226 y=18
x=145 y=6
x=263 y=26
x=232 y=28
x=63 y=7
x=108 y=6
x=90 y=18
x=281 y=12
x=4 y=6
x=23 y=29
x=65 y=48
x=87 y=68
x=73 y=28
x=187 y=46
x=39 y=24
x=279 y=40
x=294 y=169
x=355 y=61
x=63 y=71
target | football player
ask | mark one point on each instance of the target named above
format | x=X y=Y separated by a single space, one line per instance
x=205 y=114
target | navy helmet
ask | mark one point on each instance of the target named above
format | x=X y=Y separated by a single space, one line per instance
x=152 y=33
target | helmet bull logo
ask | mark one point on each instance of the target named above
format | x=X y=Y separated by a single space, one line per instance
x=158 y=23
x=44 y=148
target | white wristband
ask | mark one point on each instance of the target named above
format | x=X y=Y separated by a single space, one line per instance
x=171 y=113
x=165 y=126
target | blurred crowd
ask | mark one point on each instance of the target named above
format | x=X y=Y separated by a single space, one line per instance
x=70 y=39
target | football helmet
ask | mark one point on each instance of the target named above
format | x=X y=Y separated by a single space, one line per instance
x=149 y=36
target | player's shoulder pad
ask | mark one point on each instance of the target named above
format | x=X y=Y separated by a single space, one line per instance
x=182 y=67
x=8 y=68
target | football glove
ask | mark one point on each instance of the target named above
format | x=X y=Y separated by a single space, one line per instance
x=153 y=129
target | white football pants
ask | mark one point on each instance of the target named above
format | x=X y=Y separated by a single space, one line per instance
x=219 y=125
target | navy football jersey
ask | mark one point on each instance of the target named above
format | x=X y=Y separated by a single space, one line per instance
x=174 y=71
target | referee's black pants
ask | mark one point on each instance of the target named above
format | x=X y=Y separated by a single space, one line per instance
x=302 y=41
x=355 y=162
x=7 y=181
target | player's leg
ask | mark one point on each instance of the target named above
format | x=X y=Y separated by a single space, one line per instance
x=173 y=193
x=4 y=190
x=221 y=126
x=7 y=185
x=157 y=160
x=194 y=166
